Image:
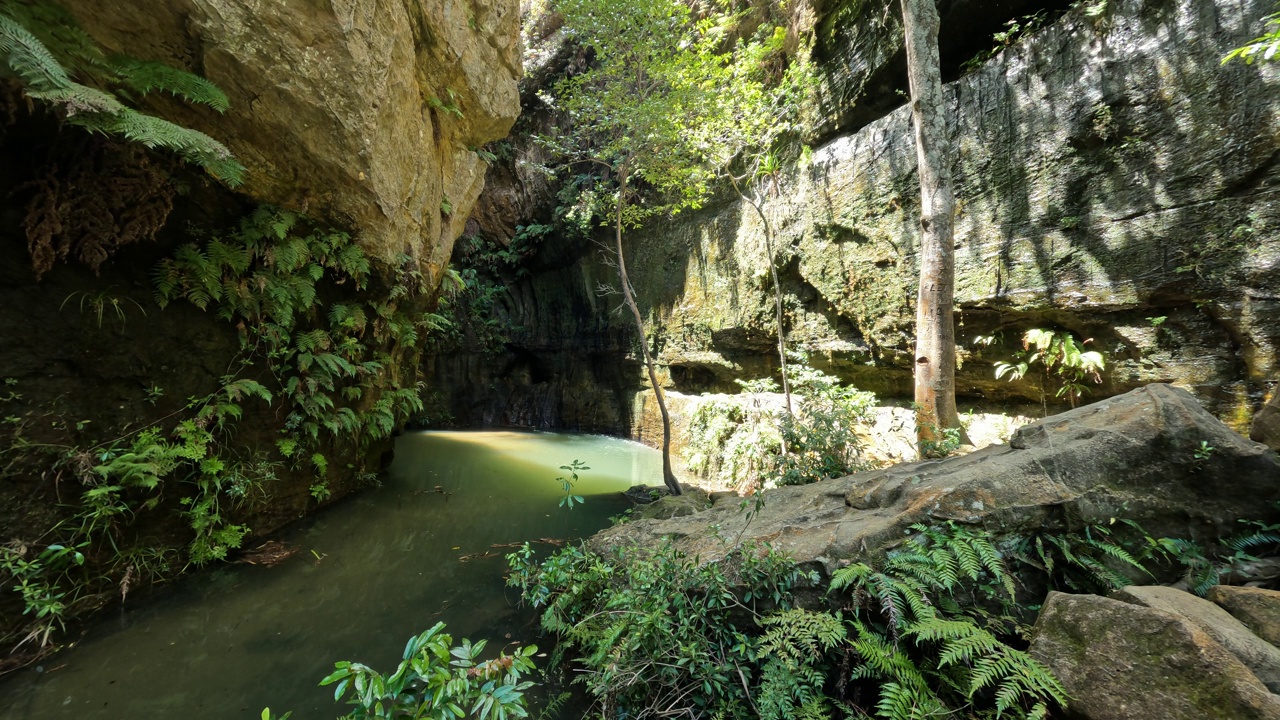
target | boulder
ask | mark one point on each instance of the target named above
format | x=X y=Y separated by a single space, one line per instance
x=645 y=498
x=365 y=113
x=1130 y=456
x=1119 y=661
x=1266 y=424
x=1257 y=608
x=1259 y=655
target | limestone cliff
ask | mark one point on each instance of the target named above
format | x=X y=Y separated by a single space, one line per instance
x=1113 y=180
x=364 y=113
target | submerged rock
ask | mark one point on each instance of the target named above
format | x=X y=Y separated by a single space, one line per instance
x=1257 y=608
x=1119 y=661
x=1130 y=456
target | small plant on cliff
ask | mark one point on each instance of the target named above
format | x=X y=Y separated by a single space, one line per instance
x=43 y=47
x=1060 y=356
x=1262 y=48
x=336 y=363
x=36 y=576
x=1014 y=30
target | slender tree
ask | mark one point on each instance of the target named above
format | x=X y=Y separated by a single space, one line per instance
x=935 y=358
x=756 y=121
x=630 y=112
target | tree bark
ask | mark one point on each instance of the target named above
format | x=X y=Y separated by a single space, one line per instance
x=668 y=477
x=777 y=295
x=935 y=359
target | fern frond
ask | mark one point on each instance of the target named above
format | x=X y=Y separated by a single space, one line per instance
x=1250 y=541
x=45 y=78
x=1119 y=553
x=146 y=76
x=30 y=59
x=153 y=132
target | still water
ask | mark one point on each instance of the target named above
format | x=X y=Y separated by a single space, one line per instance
x=370 y=573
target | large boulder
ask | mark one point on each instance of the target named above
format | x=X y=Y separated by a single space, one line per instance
x=367 y=113
x=1131 y=456
x=1259 y=655
x=1266 y=424
x=1119 y=661
x=1257 y=608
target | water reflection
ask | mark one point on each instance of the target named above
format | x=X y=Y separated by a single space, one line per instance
x=233 y=640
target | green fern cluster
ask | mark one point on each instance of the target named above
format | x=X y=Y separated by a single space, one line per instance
x=932 y=629
x=923 y=634
x=333 y=362
x=792 y=676
x=59 y=64
x=1203 y=569
x=1093 y=560
x=660 y=631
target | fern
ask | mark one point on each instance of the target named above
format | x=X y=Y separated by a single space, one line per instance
x=146 y=76
x=792 y=648
x=1252 y=541
x=29 y=58
x=44 y=74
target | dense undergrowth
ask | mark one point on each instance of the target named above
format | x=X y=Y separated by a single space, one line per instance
x=739 y=439
x=937 y=626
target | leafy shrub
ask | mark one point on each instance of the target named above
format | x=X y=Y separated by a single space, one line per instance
x=657 y=629
x=739 y=439
x=438 y=682
x=660 y=632
x=1059 y=355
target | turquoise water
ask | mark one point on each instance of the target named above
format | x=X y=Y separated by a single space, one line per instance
x=371 y=572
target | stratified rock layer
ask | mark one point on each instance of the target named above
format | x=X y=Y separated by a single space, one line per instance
x=1113 y=179
x=1119 y=661
x=362 y=112
x=1130 y=456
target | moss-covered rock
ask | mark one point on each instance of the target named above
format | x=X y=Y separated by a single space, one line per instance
x=1257 y=608
x=1259 y=655
x=1130 y=456
x=1119 y=661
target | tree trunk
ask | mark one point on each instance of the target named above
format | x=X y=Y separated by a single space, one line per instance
x=668 y=476
x=777 y=296
x=935 y=359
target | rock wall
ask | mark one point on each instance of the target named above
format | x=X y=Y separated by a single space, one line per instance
x=364 y=113
x=366 y=116
x=1113 y=179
